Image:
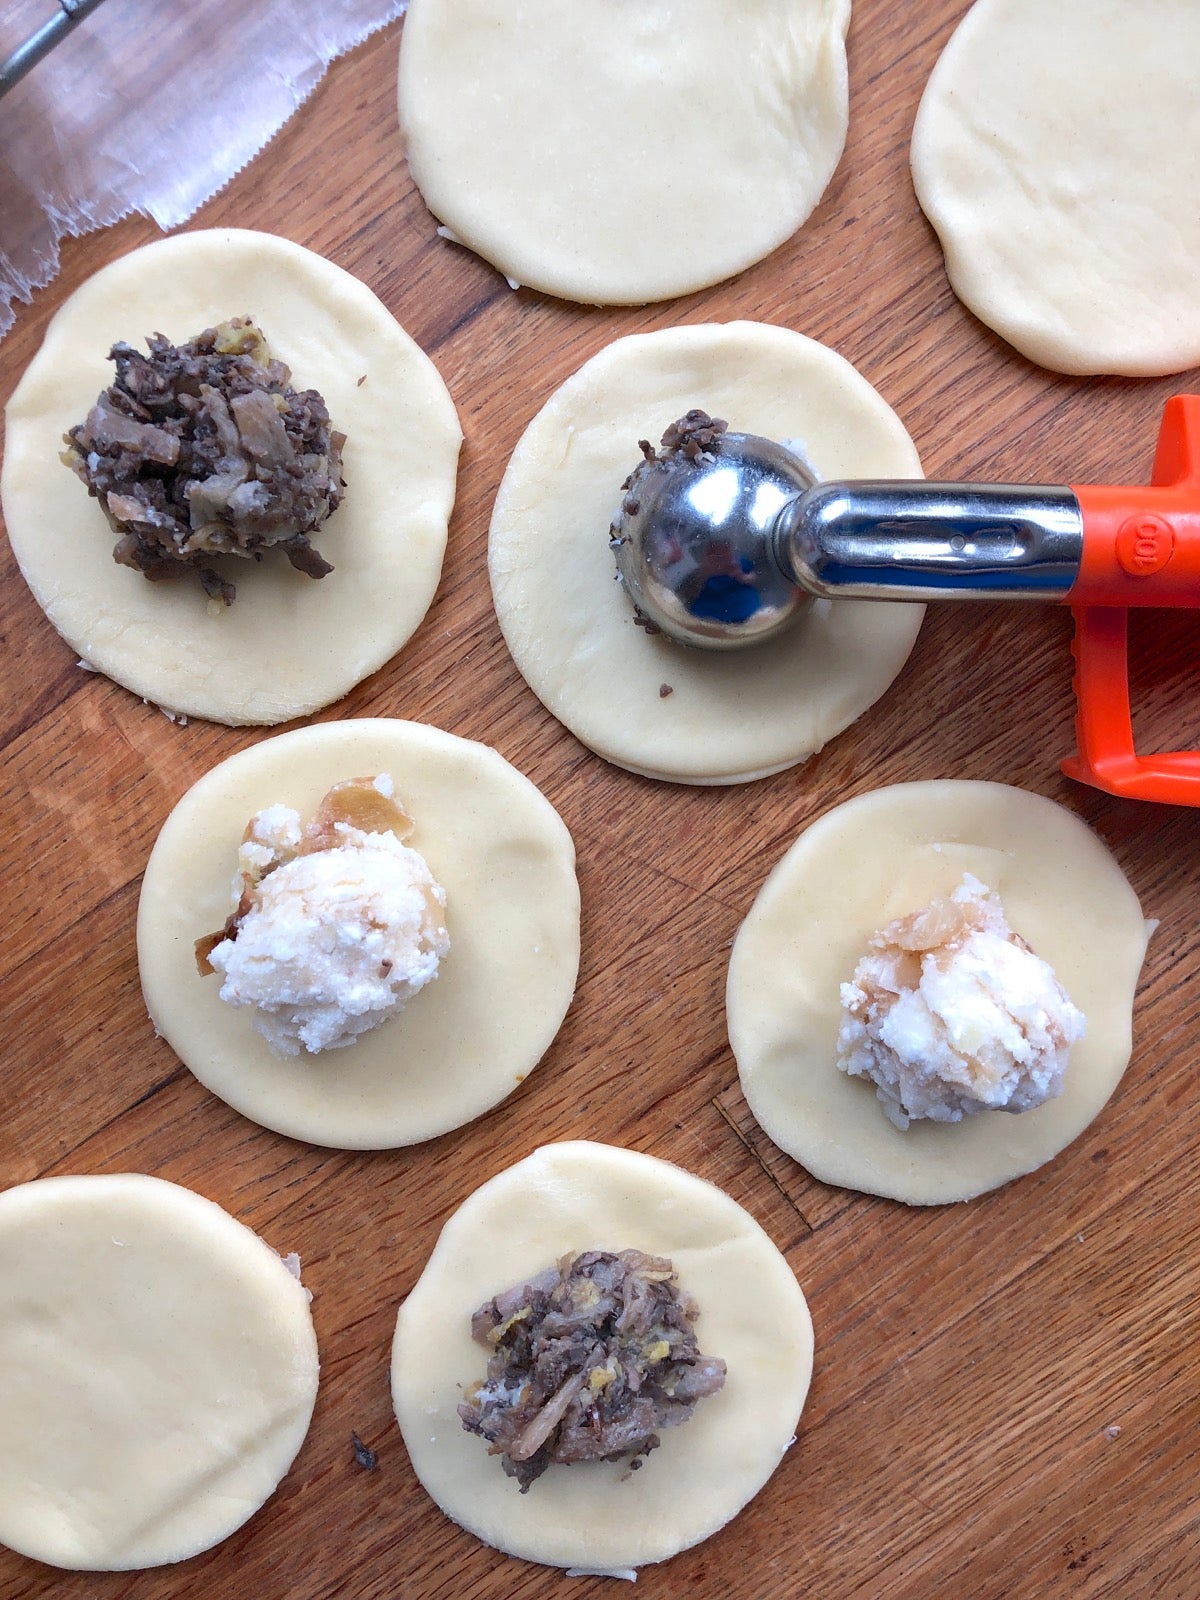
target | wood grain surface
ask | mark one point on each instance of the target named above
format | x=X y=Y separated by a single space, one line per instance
x=1005 y=1396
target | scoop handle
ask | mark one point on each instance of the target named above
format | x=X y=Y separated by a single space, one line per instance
x=1141 y=544
x=1107 y=756
x=1086 y=544
x=913 y=540
x=1141 y=547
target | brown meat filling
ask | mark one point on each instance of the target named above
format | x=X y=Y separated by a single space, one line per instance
x=587 y=1362
x=205 y=449
x=694 y=435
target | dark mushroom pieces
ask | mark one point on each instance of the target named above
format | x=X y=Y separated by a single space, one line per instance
x=205 y=449
x=587 y=1362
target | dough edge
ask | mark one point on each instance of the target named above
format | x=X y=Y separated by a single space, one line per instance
x=367 y=1096
x=782 y=1021
x=580 y=1519
x=555 y=594
x=158 y=640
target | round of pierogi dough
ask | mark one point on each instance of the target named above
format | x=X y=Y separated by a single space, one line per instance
x=288 y=644
x=507 y=864
x=882 y=856
x=644 y=702
x=563 y=1199
x=1055 y=152
x=158 y=1370
x=623 y=152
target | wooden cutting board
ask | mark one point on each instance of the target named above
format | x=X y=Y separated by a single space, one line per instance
x=1005 y=1398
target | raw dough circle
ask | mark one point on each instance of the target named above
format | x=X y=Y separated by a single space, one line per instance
x=1055 y=152
x=288 y=644
x=881 y=856
x=572 y=1197
x=507 y=864
x=158 y=1370
x=623 y=152
x=730 y=716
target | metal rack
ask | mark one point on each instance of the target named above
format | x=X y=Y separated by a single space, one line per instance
x=26 y=56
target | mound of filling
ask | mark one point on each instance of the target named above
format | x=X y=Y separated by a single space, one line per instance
x=950 y=1013
x=205 y=449
x=335 y=925
x=587 y=1362
x=694 y=437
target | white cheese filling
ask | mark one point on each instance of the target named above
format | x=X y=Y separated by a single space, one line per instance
x=950 y=1013
x=334 y=939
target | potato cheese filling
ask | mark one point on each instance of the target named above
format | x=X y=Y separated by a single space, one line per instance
x=950 y=1013
x=335 y=925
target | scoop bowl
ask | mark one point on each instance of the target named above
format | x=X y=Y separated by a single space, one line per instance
x=693 y=540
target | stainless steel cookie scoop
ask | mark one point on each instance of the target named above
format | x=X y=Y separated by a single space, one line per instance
x=722 y=538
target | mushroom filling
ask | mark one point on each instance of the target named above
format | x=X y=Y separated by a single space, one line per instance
x=950 y=1013
x=335 y=926
x=587 y=1362
x=694 y=437
x=204 y=449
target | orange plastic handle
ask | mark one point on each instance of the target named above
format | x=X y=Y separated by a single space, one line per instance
x=1141 y=544
x=1141 y=547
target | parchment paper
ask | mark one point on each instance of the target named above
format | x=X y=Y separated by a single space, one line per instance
x=150 y=105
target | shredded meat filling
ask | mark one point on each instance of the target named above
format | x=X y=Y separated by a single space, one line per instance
x=587 y=1362
x=694 y=435
x=689 y=439
x=205 y=449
